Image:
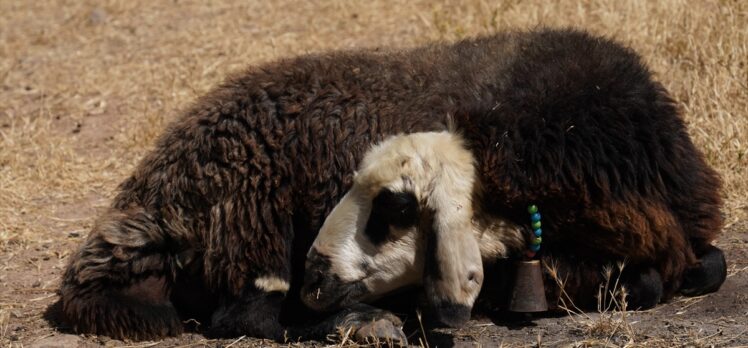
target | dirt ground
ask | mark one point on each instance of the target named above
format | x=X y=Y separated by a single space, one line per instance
x=86 y=86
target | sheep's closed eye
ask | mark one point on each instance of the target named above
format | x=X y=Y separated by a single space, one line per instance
x=397 y=209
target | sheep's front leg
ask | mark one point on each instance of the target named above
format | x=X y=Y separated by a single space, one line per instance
x=257 y=314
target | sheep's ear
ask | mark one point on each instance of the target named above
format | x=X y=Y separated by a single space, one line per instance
x=453 y=269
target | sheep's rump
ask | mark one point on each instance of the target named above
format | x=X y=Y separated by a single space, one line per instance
x=581 y=129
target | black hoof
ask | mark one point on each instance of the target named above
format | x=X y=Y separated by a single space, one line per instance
x=707 y=276
x=645 y=289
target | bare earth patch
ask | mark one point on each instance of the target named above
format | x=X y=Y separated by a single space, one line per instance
x=86 y=87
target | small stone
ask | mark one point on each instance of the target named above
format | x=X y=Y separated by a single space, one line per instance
x=74 y=234
x=97 y=16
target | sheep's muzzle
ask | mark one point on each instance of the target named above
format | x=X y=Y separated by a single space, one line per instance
x=325 y=291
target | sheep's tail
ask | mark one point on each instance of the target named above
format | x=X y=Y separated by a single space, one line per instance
x=118 y=283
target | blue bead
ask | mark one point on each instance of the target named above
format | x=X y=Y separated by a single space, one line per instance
x=535 y=217
x=538 y=232
x=535 y=247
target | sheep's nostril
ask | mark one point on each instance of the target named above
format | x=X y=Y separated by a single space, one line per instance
x=474 y=277
x=313 y=279
x=316 y=279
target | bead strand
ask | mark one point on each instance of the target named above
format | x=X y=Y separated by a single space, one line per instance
x=536 y=225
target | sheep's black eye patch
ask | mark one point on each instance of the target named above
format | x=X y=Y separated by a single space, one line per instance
x=398 y=209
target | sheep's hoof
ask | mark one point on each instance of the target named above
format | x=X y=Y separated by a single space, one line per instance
x=373 y=326
x=381 y=332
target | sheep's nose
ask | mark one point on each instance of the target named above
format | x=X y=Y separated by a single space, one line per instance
x=323 y=290
x=315 y=271
x=318 y=291
x=315 y=263
x=313 y=278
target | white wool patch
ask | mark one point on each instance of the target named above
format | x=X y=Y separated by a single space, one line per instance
x=271 y=284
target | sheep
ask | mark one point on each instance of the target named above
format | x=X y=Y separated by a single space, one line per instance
x=570 y=123
x=216 y=221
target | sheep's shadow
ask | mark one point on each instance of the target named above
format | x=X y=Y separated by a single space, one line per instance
x=53 y=316
x=404 y=305
x=406 y=302
x=416 y=330
x=442 y=337
x=420 y=333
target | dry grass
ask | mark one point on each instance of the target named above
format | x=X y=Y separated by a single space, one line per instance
x=610 y=326
x=86 y=86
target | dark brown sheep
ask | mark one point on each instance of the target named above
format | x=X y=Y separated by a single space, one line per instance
x=216 y=221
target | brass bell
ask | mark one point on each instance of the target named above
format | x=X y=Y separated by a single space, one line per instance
x=528 y=295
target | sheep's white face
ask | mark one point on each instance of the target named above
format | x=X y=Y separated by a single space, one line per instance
x=407 y=220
